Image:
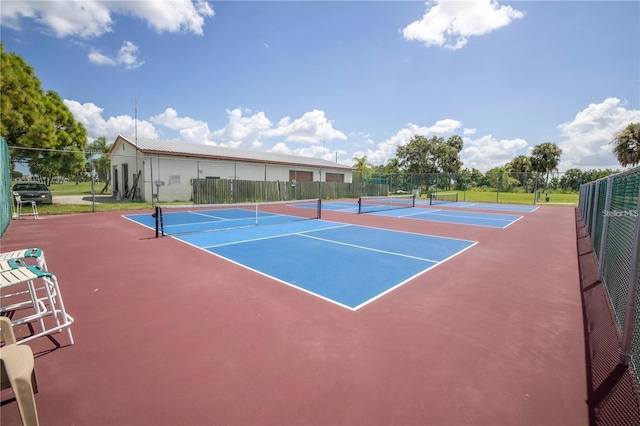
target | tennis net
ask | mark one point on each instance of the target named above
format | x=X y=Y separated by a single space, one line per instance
x=390 y=202
x=176 y=220
x=443 y=197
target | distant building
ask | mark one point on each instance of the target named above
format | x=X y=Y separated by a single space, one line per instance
x=164 y=170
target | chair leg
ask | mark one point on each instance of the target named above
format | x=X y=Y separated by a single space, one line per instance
x=18 y=370
x=24 y=392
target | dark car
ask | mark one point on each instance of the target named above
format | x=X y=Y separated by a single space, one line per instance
x=33 y=191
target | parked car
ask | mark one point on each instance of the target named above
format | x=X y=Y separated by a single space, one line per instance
x=33 y=191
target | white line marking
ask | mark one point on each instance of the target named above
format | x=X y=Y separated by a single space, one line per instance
x=276 y=236
x=411 y=278
x=371 y=249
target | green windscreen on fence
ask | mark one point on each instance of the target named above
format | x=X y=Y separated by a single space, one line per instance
x=615 y=225
x=6 y=208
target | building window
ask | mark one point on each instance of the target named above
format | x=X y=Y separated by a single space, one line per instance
x=334 y=177
x=300 y=176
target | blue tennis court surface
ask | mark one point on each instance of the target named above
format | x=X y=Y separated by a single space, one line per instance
x=433 y=213
x=347 y=265
x=486 y=206
x=491 y=220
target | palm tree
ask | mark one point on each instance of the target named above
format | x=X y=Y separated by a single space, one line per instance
x=545 y=158
x=626 y=145
x=520 y=166
x=362 y=165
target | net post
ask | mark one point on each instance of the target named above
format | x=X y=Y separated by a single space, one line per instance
x=413 y=200
x=161 y=221
x=155 y=216
x=359 y=205
x=319 y=215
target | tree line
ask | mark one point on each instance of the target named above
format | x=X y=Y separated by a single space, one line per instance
x=423 y=155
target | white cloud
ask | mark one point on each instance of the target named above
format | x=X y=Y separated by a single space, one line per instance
x=172 y=15
x=127 y=56
x=62 y=18
x=312 y=127
x=315 y=151
x=97 y=57
x=449 y=24
x=588 y=137
x=191 y=130
x=93 y=18
x=90 y=115
x=169 y=118
x=243 y=131
x=488 y=152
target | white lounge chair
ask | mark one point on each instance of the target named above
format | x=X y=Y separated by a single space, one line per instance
x=20 y=204
x=14 y=276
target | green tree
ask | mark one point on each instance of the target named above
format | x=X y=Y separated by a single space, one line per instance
x=595 y=174
x=520 y=168
x=545 y=158
x=97 y=154
x=435 y=155
x=37 y=121
x=21 y=101
x=392 y=166
x=626 y=145
x=571 y=180
x=500 y=179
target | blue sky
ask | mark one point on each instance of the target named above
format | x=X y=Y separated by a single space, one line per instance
x=339 y=79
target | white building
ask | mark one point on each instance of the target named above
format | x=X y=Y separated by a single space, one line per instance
x=165 y=169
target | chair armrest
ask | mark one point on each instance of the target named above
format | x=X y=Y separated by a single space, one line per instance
x=7 y=331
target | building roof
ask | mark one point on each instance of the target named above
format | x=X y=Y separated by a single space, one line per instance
x=185 y=149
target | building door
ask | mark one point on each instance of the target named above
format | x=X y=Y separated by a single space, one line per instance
x=115 y=181
x=125 y=179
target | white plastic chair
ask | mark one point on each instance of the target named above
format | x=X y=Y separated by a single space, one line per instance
x=18 y=373
x=20 y=204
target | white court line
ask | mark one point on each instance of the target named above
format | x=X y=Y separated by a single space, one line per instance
x=370 y=249
x=219 y=219
x=389 y=290
x=276 y=236
x=467 y=217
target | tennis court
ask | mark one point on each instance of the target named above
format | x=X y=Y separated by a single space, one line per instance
x=345 y=264
x=411 y=208
x=487 y=206
x=199 y=334
x=490 y=220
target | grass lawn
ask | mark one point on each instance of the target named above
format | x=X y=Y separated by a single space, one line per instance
x=516 y=198
x=71 y=188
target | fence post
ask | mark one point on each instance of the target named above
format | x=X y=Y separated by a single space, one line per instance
x=630 y=314
x=594 y=215
x=589 y=208
x=605 y=228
